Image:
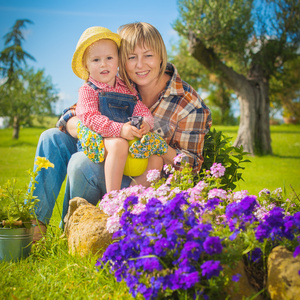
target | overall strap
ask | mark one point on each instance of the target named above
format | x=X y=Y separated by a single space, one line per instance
x=92 y=86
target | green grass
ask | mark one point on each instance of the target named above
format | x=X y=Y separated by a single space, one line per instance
x=51 y=273
x=282 y=169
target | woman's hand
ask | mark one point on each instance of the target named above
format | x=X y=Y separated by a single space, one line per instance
x=71 y=126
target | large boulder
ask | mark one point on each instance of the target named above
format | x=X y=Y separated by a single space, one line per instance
x=283 y=275
x=85 y=228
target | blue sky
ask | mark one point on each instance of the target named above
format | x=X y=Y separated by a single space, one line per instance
x=58 y=24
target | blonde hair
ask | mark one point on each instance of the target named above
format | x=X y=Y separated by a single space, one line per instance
x=140 y=34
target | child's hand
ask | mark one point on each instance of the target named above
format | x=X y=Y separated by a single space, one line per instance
x=129 y=132
x=145 y=128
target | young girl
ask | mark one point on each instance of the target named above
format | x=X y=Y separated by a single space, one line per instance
x=105 y=103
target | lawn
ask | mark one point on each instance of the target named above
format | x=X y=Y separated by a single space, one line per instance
x=50 y=273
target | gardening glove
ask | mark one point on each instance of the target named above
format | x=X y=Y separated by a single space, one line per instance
x=91 y=143
x=150 y=144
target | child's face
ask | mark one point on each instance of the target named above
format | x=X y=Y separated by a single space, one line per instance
x=102 y=61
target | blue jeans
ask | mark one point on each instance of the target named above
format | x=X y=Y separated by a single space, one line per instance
x=85 y=179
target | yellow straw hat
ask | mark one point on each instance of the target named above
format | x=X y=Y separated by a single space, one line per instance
x=88 y=37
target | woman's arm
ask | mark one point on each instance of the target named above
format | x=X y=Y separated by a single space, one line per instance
x=71 y=126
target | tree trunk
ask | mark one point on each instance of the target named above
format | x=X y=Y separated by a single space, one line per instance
x=254 y=129
x=252 y=92
x=16 y=127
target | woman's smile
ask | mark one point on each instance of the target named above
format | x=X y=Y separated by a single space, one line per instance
x=143 y=66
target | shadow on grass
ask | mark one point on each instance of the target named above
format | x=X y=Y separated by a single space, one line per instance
x=286 y=157
x=285 y=131
x=17 y=144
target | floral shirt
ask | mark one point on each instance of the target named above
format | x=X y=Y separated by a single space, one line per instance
x=87 y=108
x=180 y=117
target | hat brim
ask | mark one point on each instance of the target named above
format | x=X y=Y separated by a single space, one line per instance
x=77 y=64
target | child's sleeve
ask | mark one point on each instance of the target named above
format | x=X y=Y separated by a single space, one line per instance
x=141 y=109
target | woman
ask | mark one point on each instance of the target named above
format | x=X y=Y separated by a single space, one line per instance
x=180 y=117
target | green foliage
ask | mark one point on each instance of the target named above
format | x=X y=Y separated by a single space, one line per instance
x=30 y=93
x=17 y=205
x=225 y=25
x=24 y=92
x=13 y=56
x=13 y=208
x=217 y=149
x=51 y=273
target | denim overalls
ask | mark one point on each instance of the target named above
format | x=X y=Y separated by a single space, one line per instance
x=116 y=106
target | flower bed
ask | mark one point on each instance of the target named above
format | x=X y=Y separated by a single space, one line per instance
x=180 y=240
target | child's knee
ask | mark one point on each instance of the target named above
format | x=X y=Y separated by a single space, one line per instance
x=117 y=145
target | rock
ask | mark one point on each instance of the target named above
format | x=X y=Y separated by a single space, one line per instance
x=283 y=275
x=241 y=289
x=85 y=228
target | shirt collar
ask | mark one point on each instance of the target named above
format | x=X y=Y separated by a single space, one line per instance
x=174 y=86
x=102 y=85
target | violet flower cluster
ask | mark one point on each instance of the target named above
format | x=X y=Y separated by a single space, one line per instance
x=169 y=241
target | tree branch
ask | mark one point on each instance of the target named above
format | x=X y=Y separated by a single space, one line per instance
x=208 y=58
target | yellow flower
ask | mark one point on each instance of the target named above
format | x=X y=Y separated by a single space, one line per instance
x=43 y=162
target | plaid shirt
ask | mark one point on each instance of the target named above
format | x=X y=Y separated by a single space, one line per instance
x=181 y=118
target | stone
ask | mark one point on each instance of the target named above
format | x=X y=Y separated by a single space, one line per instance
x=283 y=275
x=85 y=228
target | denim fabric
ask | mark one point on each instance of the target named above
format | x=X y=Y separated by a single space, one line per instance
x=58 y=148
x=117 y=107
x=85 y=179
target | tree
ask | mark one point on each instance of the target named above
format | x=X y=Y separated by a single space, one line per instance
x=30 y=93
x=23 y=92
x=194 y=73
x=245 y=45
x=14 y=56
x=285 y=90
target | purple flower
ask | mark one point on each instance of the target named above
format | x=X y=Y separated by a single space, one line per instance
x=189 y=280
x=255 y=255
x=297 y=251
x=162 y=245
x=248 y=205
x=211 y=268
x=262 y=232
x=236 y=277
x=212 y=245
x=149 y=264
x=130 y=201
x=212 y=203
x=191 y=250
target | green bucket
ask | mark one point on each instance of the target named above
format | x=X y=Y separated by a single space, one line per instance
x=15 y=243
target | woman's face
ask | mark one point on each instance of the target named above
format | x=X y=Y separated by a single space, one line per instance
x=142 y=66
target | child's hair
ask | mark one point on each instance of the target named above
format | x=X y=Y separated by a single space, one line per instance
x=141 y=34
